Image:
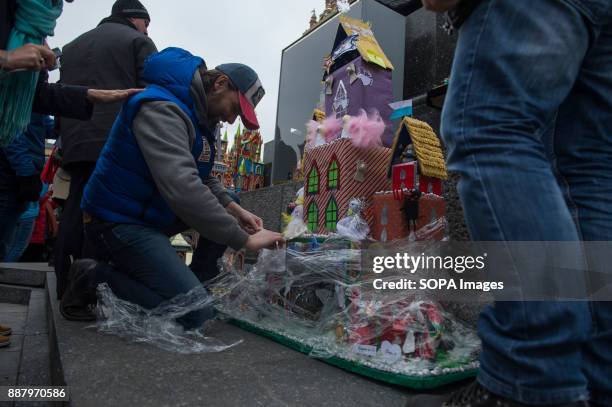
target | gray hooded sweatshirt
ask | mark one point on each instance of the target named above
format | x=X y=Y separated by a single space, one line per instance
x=165 y=135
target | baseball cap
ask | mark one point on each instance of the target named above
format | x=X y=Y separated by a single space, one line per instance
x=249 y=89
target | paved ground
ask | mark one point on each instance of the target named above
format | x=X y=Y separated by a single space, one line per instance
x=15 y=316
x=103 y=370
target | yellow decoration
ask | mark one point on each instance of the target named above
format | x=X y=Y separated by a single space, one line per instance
x=318 y=115
x=427 y=147
x=368 y=47
x=285 y=219
x=375 y=59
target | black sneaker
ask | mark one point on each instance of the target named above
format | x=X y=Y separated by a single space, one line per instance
x=474 y=395
x=78 y=302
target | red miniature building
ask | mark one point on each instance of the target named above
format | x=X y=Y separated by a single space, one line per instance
x=390 y=218
x=416 y=145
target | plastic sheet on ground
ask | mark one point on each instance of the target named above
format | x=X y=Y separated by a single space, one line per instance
x=314 y=296
x=158 y=326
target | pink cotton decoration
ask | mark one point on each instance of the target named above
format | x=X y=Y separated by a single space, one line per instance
x=366 y=131
x=332 y=128
x=311 y=132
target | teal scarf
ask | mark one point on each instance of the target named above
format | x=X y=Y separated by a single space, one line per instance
x=34 y=20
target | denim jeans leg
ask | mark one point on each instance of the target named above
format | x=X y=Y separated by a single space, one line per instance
x=208 y=253
x=147 y=270
x=514 y=65
x=205 y=258
x=583 y=152
x=21 y=238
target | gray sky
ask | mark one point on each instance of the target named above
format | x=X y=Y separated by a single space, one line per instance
x=253 y=32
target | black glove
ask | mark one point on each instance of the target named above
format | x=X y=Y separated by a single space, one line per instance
x=29 y=188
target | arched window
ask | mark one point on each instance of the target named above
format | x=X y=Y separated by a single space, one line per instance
x=313 y=181
x=331 y=215
x=333 y=175
x=313 y=217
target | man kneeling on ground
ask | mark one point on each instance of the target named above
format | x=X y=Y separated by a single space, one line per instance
x=154 y=170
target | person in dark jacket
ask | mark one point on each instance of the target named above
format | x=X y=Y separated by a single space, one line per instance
x=154 y=172
x=18 y=59
x=110 y=56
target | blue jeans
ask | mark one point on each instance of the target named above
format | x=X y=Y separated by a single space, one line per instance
x=10 y=210
x=20 y=240
x=528 y=126
x=208 y=253
x=145 y=269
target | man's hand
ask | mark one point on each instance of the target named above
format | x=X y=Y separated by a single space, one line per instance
x=248 y=221
x=264 y=239
x=98 y=96
x=29 y=57
x=439 y=6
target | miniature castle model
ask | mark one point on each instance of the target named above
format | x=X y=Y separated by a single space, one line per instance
x=316 y=294
x=401 y=186
x=247 y=165
x=338 y=171
x=241 y=168
x=221 y=169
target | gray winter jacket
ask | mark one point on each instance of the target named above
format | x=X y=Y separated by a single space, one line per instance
x=111 y=56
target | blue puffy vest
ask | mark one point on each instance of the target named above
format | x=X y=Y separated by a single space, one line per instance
x=121 y=188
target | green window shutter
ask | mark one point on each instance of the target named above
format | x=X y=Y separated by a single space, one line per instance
x=333 y=174
x=313 y=181
x=313 y=217
x=331 y=215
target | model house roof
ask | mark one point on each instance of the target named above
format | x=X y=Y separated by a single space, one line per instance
x=427 y=147
x=357 y=35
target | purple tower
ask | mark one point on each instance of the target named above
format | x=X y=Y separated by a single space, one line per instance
x=358 y=75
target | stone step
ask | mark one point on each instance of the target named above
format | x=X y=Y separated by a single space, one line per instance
x=15 y=316
x=24 y=274
x=26 y=361
x=23 y=308
x=11 y=294
x=103 y=370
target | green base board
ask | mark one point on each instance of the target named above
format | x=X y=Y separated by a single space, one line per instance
x=413 y=382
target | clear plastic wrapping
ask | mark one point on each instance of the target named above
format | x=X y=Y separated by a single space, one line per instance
x=314 y=293
x=158 y=326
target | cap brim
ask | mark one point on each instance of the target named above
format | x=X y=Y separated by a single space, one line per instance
x=248 y=113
